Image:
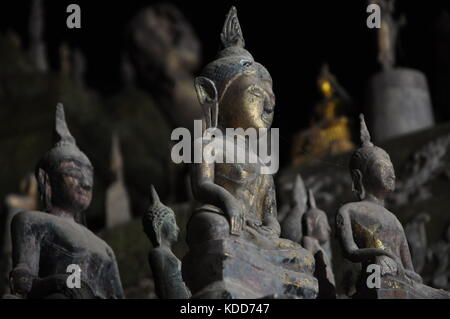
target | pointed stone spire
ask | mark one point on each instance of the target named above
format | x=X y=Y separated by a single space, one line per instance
x=232 y=33
x=364 y=133
x=61 y=134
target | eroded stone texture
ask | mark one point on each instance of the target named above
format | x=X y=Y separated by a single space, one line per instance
x=237 y=268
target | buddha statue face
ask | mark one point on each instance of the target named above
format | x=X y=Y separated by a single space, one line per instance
x=371 y=168
x=248 y=102
x=170 y=230
x=382 y=173
x=375 y=173
x=68 y=186
x=317 y=226
x=165 y=233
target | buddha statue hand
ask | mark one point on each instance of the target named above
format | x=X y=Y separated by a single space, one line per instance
x=264 y=230
x=388 y=265
x=21 y=281
x=236 y=224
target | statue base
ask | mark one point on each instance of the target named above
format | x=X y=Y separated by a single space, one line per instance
x=237 y=269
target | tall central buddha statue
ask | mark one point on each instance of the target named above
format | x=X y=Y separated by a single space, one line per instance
x=235 y=249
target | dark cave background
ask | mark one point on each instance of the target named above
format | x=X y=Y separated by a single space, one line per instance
x=291 y=40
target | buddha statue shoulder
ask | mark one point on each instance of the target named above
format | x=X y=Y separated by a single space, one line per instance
x=47 y=244
x=372 y=235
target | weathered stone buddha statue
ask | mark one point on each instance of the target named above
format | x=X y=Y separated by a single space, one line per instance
x=316 y=239
x=162 y=230
x=372 y=235
x=235 y=249
x=50 y=247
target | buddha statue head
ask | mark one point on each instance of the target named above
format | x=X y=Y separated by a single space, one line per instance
x=315 y=221
x=159 y=222
x=371 y=168
x=239 y=87
x=64 y=173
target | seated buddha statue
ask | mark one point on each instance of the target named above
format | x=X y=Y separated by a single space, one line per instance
x=49 y=247
x=235 y=249
x=329 y=133
x=373 y=236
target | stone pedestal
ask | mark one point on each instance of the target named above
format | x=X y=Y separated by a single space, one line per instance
x=398 y=102
x=235 y=268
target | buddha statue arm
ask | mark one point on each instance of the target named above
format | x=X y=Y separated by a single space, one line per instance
x=351 y=251
x=208 y=192
x=25 y=255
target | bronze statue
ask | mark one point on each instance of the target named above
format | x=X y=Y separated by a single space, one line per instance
x=161 y=228
x=47 y=244
x=372 y=235
x=329 y=133
x=235 y=249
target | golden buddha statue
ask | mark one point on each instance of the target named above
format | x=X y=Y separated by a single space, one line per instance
x=235 y=249
x=329 y=133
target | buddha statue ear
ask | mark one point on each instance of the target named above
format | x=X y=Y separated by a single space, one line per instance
x=45 y=190
x=358 y=185
x=208 y=98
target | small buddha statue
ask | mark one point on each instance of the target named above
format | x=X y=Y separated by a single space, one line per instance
x=236 y=227
x=47 y=244
x=372 y=235
x=329 y=133
x=162 y=230
x=316 y=239
x=291 y=225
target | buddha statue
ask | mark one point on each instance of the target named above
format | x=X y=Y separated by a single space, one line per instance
x=373 y=236
x=161 y=228
x=47 y=244
x=316 y=239
x=329 y=133
x=291 y=223
x=235 y=249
